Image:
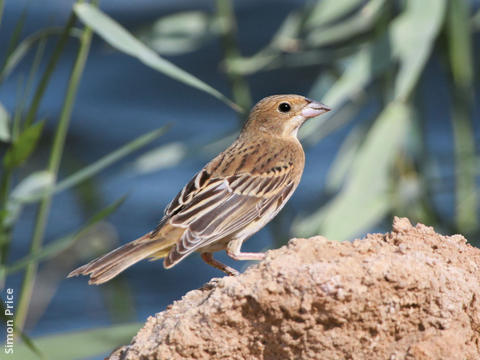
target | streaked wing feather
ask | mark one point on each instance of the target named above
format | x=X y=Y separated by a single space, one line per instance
x=227 y=207
x=201 y=204
x=200 y=182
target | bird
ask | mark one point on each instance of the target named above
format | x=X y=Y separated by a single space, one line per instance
x=230 y=199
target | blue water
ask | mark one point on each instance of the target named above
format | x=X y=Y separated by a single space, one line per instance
x=120 y=99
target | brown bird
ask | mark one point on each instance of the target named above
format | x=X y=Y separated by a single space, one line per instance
x=230 y=199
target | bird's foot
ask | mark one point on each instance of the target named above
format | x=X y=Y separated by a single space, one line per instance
x=208 y=258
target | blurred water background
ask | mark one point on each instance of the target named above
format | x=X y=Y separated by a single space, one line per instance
x=120 y=99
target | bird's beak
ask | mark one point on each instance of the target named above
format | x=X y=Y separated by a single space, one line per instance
x=314 y=108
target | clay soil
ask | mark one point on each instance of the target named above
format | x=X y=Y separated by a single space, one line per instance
x=407 y=294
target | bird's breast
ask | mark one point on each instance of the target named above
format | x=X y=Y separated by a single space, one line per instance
x=258 y=156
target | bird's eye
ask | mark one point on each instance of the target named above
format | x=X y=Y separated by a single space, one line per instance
x=284 y=107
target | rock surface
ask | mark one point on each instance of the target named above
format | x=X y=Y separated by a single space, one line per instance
x=408 y=294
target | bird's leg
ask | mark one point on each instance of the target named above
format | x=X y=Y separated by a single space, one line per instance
x=208 y=258
x=233 y=250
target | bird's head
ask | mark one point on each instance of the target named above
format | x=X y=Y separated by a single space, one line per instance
x=282 y=115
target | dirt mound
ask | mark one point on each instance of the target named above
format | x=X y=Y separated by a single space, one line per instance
x=408 y=294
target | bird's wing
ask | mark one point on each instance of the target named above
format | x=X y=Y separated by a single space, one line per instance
x=211 y=209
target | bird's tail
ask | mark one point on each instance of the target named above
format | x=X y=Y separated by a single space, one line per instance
x=110 y=265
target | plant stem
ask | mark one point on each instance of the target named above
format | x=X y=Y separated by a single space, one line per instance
x=464 y=148
x=461 y=64
x=53 y=166
x=4 y=232
x=228 y=26
x=29 y=84
x=2 y=5
x=5 y=182
x=52 y=63
x=14 y=39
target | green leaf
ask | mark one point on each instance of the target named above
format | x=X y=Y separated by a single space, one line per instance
x=177 y=33
x=119 y=38
x=285 y=39
x=413 y=36
x=360 y=22
x=162 y=157
x=109 y=159
x=79 y=344
x=361 y=69
x=31 y=186
x=4 y=124
x=418 y=24
x=57 y=246
x=345 y=159
x=99 y=165
x=365 y=199
x=22 y=49
x=23 y=147
x=327 y=11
